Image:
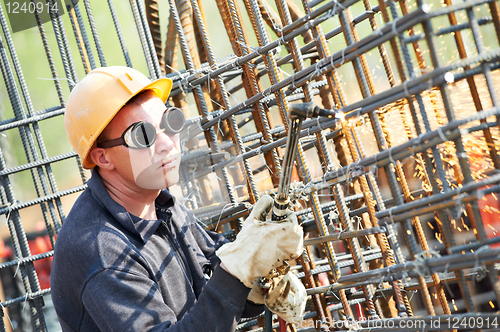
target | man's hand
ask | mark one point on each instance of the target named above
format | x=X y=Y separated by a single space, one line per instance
x=286 y=297
x=262 y=244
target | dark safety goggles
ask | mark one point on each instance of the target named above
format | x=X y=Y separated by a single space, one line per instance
x=142 y=134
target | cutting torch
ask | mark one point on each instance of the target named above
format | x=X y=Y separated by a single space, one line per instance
x=297 y=113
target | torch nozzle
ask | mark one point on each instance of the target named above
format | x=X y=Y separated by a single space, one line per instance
x=309 y=110
x=325 y=112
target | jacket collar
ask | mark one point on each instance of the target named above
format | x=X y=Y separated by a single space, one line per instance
x=142 y=228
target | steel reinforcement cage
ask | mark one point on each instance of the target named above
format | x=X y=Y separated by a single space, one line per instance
x=397 y=194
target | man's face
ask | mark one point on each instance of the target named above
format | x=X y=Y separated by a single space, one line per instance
x=155 y=167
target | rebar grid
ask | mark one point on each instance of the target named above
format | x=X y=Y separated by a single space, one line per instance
x=398 y=195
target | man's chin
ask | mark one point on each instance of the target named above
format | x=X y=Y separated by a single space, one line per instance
x=158 y=180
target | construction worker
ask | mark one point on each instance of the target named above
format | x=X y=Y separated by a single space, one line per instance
x=129 y=256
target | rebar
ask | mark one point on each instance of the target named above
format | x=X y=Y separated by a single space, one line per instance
x=398 y=195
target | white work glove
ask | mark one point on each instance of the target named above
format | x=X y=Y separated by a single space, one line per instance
x=286 y=297
x=262 y=245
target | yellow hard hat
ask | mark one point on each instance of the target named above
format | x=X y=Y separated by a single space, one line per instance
x=96 y=99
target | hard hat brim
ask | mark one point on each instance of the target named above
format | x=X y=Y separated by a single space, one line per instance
x=162 y=88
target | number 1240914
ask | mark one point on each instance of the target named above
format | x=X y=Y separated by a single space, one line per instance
x=31 y=7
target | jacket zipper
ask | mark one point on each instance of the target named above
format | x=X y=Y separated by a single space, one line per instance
x=178 y=254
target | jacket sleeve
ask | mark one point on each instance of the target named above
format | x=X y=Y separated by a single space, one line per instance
x=124 y=301
x=209 y=242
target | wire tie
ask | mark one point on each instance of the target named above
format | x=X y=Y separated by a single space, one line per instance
x=277 y=49
x=420 y=263
x=199 y=125
x=332 y=11
x=394 y=28
x=413 y=293
x=476 y=254
x=263 y=159
x=405 y=274
x=323 y=178
x=218 y=125
x=459 y=204
x=447 y=283
x=405 y=87
x=390 y=156
x=25 y=300
x=319 y=123
x=209 y=81
x=313 y=74
x=293 y=81
x=333 y=293
x=6 y=313
x=9 y=208
x=418 y=141
x=222 y=211
x=374 y=167
x=390 y=214
x=433 y=253
x=381 y=283
x=336 y=3
x=181 y=86
x=17 y=267
x=275 y=25
x=358 y=219
x=441 y=134
x=331 y=62
x=348 y=172
x=267 y=92
x=185 y=83
x=430 y=85
x=484 y=273
x=329 y=290
x=282 y=38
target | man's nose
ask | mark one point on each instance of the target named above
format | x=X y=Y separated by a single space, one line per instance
x=165 y=143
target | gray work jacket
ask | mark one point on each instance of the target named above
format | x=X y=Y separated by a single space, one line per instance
x=113 y=271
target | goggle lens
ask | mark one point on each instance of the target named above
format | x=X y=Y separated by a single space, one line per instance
x=143 y=135
x=173 y=121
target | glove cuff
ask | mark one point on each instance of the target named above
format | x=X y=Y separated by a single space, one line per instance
x=236 y=262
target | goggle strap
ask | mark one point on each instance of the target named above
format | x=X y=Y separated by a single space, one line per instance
x=112 y=143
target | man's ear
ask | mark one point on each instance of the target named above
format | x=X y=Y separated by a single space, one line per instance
x=100 y=157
